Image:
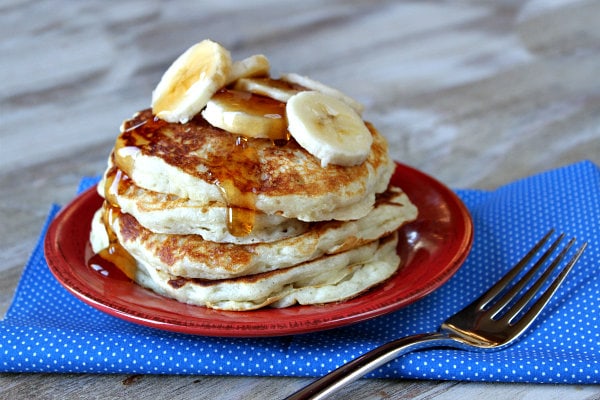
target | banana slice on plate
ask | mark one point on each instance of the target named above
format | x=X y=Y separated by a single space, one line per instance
x=253 y=66
x=312 y=84
x=246 y=114
x=274 y=88
x=328 y=128
x=192 y=79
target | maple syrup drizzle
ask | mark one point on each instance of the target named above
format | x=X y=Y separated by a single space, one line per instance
x=236 y=173
x=112 y=185
x=241 y=202
x=233 y=164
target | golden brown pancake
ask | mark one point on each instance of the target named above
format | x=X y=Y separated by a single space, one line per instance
x=168 y=213
x=193 y=257
x=204 y=164
x=327 y=279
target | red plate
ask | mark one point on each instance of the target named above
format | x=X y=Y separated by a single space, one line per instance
x=432 y=249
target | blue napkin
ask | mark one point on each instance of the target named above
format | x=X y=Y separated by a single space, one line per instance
x=46 y=329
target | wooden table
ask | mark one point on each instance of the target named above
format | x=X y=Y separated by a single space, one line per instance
x=476 y=94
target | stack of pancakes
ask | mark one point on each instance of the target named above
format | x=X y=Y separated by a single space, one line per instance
x=214 y=219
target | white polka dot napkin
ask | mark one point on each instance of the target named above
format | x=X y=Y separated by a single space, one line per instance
x=48 y=330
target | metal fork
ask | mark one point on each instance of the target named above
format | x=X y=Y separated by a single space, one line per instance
x=493 y=321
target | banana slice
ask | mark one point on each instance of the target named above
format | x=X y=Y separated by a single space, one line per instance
x=190 y=81
x=328 y=128
x=246 y=114
x=311 y=84
x=253 y=66
x=273 y=88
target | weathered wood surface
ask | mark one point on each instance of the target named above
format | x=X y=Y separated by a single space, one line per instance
x=474 y=93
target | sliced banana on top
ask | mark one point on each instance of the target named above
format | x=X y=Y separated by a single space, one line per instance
x=274 y=88
x=192 y=79
x=323 y=120
x=328 y=128
x=253 y=66
x=246 y=114
x=312 y=84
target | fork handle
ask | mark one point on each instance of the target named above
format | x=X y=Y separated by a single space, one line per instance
x=364 y=364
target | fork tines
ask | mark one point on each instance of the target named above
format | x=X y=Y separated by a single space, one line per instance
x=509 y=298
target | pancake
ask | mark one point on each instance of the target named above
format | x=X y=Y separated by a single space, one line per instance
x=168 y=213
x=202 y=163
x=193 y=257
x=324 y=280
